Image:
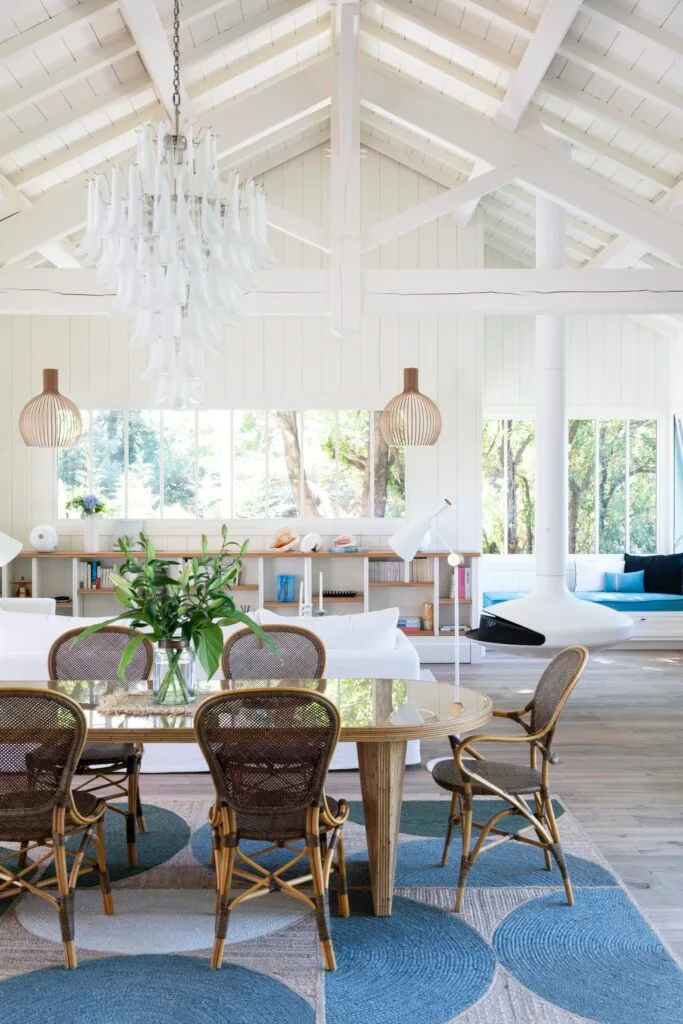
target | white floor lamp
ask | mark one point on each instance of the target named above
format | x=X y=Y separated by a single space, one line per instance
x=408 y=541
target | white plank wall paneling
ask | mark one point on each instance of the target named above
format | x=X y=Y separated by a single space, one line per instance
x=472 y=366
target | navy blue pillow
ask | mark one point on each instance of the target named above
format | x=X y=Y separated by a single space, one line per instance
x=663 y=573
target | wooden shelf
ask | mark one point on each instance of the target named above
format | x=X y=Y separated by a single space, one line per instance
x=384 y=555
x=449 y=600
x=417 y=632
x=411 y=583
x=65 y=604
x=330 y=600
x=245 y=586
x=87 y=591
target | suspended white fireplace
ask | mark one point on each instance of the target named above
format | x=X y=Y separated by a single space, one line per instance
x=551 y=617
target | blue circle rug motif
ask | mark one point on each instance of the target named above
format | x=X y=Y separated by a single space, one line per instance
x=150 y=989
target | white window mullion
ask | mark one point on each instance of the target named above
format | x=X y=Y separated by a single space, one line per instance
x=231 y=467
x=506 y=511
x=196 y=465
x=302 y=465
x=371 y=457
x=596 y=486
x=90 y=454
x=161 y=465
x=267 y=439
x=336 y=463
x=627 y=488
x=126 y=429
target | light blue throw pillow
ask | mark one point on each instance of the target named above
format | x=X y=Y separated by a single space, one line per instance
x=624 y=582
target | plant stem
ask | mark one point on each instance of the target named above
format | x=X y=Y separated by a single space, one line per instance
x=173 y=680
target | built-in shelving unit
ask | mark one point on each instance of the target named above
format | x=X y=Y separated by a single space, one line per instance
x=57 y=574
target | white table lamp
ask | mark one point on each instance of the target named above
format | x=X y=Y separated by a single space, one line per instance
x=408 y=541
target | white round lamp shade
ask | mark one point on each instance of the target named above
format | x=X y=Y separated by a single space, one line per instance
x=44 y=538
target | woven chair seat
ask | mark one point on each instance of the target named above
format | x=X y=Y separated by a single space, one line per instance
x=512 y=778
x=39 y=825
x=276 y=825
x=108 y=754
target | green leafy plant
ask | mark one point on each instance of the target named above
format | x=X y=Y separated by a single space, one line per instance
x=87 y=505
x=191 y=604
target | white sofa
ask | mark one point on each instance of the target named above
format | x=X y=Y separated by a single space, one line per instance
x=383 y=651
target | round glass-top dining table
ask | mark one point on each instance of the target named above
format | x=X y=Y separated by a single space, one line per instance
x=378 y=715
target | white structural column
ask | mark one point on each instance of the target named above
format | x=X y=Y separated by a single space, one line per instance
x=345 y=241
x=551 y=411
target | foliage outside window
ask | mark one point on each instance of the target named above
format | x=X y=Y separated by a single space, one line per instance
x=612 y=486
x=222 y=464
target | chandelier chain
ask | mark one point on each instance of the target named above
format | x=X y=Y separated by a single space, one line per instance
x=176 y=64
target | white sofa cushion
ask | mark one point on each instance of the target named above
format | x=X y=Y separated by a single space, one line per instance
x=591 y=569
x=29 y=605
x=368 y=631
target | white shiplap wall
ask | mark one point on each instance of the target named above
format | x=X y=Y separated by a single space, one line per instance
x=467 y=364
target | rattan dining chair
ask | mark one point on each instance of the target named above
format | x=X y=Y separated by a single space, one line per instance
x=111 y=769
x=268 y=751
x=37 y=808
x=467 y=779
x=301 y=654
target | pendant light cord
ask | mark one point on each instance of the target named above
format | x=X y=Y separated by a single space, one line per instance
x=176 y=65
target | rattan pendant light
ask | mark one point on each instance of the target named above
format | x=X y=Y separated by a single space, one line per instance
x=410 y=418
x=50 y=420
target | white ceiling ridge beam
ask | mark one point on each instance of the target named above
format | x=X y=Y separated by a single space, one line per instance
x=35 y=170
x=74 y=115
x=268 y=52
x=38 y=87
x=270 y=17
x=465 y=41
x=381 y=34
x=437 y=116
x=345 y=181
x=438 y=206
x=552 y=27
x=51 y=292
x=624 y=19
x=62 y=210
x=550 y=120
x=297 y=227
x=520 y=291
x=613 y=115
x=625 y=252
x=73 y=17
x=144 y=24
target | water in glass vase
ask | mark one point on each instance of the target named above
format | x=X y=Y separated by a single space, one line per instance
x=173 y=679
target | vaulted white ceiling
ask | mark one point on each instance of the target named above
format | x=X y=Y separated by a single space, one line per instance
x=582 y=99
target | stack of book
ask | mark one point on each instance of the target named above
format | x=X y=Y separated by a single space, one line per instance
x=94 y=576
x=386 y=572
x=410 y=623
x=421 y=571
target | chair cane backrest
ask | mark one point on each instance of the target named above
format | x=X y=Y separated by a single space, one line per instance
x=98 y=655
x=553 y=688
x=268 y=750
x=301 y=654
x=41 y=739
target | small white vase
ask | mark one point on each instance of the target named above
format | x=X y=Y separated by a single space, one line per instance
x=92 y=533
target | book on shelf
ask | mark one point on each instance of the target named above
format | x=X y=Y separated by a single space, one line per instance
x=464 y=574
x=92 y=575
x=393 y=571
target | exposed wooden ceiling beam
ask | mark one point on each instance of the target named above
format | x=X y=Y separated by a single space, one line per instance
x=144 y=24
x=544 y=171
x=551 y=29
x=624 y=19
x=271 y=17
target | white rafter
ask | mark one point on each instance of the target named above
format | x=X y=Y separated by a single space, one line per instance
x=544 y=171
x=551 y=29
x=623 y=19
x=345 y=230
x=144 y=24
x=73 y=17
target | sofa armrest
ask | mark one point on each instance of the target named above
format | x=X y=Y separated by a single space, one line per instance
x=34 y=605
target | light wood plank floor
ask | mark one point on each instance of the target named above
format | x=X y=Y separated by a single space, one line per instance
x=621 y=745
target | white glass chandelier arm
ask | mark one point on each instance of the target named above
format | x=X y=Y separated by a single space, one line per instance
x=145 y=157
x=135 y=202
x=115 y=219
x=142 y=329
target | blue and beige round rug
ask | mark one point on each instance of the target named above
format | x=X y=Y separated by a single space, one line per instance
x=516 y=955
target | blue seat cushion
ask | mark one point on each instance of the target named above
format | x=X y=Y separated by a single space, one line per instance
x=620 y=602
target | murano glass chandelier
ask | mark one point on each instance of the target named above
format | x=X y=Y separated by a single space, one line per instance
x=179 y=245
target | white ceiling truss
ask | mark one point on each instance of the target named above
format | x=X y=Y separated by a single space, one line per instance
x=472 y=93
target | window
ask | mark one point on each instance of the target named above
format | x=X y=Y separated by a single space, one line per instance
x=612 y=486
x=251 y=464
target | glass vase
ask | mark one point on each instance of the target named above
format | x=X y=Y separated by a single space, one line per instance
x=173 y=679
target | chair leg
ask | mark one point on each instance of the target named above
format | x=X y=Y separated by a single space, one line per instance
x=465 y=864
x=540 y=814
x=102 y=866
x=315 y=860
x=225 y=860
x=131 y=815
x=556 y=848
x=66 y=904
x=452 y=818
x=342 y=888
x=22 y=859
x=138 y=802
